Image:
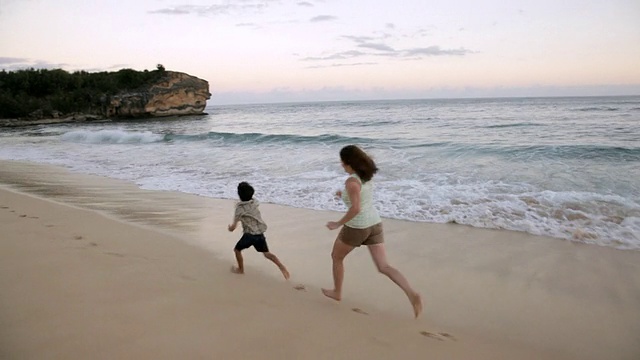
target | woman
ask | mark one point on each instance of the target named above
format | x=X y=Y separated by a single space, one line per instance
x=361 y=225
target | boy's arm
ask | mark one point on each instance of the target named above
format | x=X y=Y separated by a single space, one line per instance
x=236 y=220
x=233 y=225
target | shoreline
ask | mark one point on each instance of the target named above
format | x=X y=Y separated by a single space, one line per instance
x=495 y=292
x=579 y=234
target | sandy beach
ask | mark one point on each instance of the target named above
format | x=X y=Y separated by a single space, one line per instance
x=97 y=268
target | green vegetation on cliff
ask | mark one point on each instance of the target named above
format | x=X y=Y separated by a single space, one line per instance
x=42 y=92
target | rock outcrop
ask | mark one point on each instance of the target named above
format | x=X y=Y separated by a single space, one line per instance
x=171 y=94
x=174 y=94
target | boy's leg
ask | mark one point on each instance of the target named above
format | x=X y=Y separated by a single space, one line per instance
x=240 y=268
x=279 y=264
x=260 y=245
x=243 y=243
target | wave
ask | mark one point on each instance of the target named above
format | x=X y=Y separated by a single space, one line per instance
x=260 y=138
x=142 y=137
x=511 y=125
x=111 y=137
x=590 y=152
x=379 y=123
x=442 y=144
x=598 y=108
x=267 y=138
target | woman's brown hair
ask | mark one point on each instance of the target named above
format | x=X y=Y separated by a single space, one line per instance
x=359 y=161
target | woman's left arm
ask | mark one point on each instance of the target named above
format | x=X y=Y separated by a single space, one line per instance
x=353 y=190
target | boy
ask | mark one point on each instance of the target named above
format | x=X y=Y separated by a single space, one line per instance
x=253 y=228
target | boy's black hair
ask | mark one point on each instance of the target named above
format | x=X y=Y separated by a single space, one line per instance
x=245 y=191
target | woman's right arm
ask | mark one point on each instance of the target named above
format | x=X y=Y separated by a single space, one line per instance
x=353 y=190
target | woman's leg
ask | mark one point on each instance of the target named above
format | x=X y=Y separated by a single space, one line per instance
x=379 y=256
x=339 y=252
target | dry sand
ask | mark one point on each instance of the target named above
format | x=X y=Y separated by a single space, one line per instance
x=78 y=283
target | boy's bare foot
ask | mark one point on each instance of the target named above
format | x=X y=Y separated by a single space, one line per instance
x=285 y=273
x=236 y=270
x=416 y=302
x=331 y=294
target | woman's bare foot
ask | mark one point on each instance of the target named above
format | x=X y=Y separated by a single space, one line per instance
x=331 y=294
x=416 y=302
x=236 y=270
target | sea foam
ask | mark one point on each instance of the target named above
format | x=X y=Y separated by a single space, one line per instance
x=117 y=136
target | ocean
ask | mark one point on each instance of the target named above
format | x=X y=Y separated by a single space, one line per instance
x=568 y=168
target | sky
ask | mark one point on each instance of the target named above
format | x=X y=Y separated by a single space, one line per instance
x=329 y=50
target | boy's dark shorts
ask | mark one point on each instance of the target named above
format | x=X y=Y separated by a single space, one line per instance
x=259 y=242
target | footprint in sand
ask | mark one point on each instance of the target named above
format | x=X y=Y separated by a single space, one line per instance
x=431 y=335
x=448 y=336
x=23 y=215
x=114 y=254
x=49 y=225
x=300 y=287
x=359 y=311
x=77 y=237
x=4 y=207
x=33 y=217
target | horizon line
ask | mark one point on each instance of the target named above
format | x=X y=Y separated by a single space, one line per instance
x=430 y=98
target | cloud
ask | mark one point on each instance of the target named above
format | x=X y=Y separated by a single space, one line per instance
x=337 y=56
x=420 y=33
x=320 y=18
x=118 y=66
x=374 y=46
x=239 y=7
x=12 y=60
x=415 y=53
x=14 y=64
x=174 y=11
x=340 y=65
x=305 y=3
x=380 y=47
x=436 y=51
x=358 y=39
x=249 y=25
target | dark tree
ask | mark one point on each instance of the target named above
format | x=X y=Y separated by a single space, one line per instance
x=25 y=92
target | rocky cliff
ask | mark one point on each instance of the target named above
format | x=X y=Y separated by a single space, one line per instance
x=174 y=94
x=157 y=93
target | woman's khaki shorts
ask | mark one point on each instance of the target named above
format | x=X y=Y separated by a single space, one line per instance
x=367 y=236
